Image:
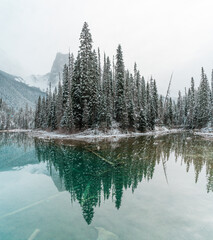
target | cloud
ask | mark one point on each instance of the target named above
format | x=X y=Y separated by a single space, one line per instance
x=161 y=36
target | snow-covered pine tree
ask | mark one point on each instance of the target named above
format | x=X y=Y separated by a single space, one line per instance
x=120 y=88
x=86 y=57
x=70 y=69
x=99 y=70
x=130 y=101
x=150 y=113
x=170 y=112
x=191 y=116
x=155 y=98
x=107 y=95
x=43 y=114
x=85 y=119
x=109 y=100
x=143 y=94
x=66 y=85
x=93 y=91
x=38 y=114
x=113 y=87
x=104 y=94
x=85 y=79
x=49 y=106
x=137 y=93
x=76 y=93
x=8 y=121
x=180 y=112
x=53 y=124
x=212 y=99
x=185 y=108
x=143 y=98
x=59 y=104
x=203 y=101
x=67 y=121
x=160 y=109
x=142 y=122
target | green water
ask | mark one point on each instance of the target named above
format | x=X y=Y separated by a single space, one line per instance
x=138 y=188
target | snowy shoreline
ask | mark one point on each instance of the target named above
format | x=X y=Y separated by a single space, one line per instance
x=93 y=135
x=206 y=135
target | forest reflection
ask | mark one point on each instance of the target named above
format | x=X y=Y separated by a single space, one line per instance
x=90 y=171
x=17 y=139
x=16 y=150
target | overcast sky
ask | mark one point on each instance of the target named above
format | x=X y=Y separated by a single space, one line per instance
x=162 y=36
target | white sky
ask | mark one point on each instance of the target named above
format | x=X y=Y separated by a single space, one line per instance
x=162 y=36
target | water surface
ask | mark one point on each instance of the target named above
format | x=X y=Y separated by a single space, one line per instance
x=137 y=188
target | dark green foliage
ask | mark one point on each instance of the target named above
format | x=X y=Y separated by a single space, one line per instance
x=85 y=119
x=94 y=97
x=203 y=101
x=150 y=112
x=89 y=97
x=119 y=78
x=142 y=121
x=76 y=93
x=66 y=85
x=21 y=119
x=38 y=114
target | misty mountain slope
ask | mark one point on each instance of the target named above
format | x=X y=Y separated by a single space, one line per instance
x=17 y=94
x=39 y=81
x=57 y=67
x=43 y=81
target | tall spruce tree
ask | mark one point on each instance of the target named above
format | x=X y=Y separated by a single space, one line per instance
x=86 y=56
x=120 y=107
x=66 y=85
x=203 y=101
x=130 y=101
x=192 y=105
x=59 y=104
x=93 y=100
x=150 y=113
x=212 y=99
x=107 y=92
x=38 y=114
x=53 y=124
x=155 y=99
x=67 y=121
x=76 y=93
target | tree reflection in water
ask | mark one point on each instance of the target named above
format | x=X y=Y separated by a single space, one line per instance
x=89 y=170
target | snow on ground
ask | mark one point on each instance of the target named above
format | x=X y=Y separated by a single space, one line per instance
x=114 y=134
x=205 y=132
x=95 y=135
x=19 y=79
x=15 y=130
x=39 y=81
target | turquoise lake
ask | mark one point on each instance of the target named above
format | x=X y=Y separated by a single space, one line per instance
x=144 y=188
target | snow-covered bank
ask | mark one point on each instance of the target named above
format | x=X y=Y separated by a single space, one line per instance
x=16 y=131
x=205 y=132
x=97 y=135
x=91 y=135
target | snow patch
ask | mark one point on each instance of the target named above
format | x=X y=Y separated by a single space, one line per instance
x=19 y=79
x=97 y=135
x=39 y=81
x=205 y=132
x=90 y=135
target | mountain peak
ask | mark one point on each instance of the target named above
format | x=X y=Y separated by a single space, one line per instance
x=57 y=67
x=17 y=94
